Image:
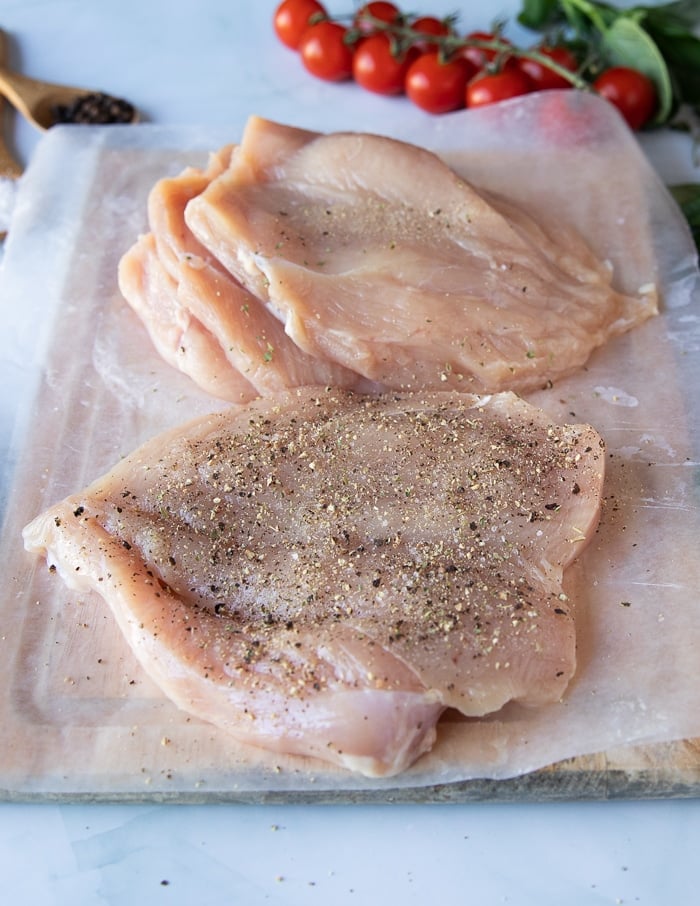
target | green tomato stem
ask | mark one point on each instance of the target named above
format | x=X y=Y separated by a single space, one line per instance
x=447 y=45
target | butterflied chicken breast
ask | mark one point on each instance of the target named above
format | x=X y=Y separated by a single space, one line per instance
x=323 y=573
x=376 y=255
x=200 y=318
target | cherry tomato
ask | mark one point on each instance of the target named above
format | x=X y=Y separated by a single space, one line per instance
x=480 y=56
x=385 y=12
x=292 y=19
x=492 y=87
x=630 y=91
x=541 y=75
x=429 y=25
x=324 y=51
x=436 y=86
x=377 y=69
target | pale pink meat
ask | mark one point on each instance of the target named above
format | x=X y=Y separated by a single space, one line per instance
x=180 y=338
x=323 y=573
x=200 y=318
x=166 y=208
x=376 y=255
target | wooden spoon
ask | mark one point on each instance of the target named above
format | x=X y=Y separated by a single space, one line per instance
x=9 y=168
x=39 y=101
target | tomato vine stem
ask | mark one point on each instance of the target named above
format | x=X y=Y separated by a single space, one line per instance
x=404 y=36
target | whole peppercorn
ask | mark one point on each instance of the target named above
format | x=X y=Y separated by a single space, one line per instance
x=96 y=108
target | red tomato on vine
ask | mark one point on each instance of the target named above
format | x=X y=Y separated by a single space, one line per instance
x=480 y=56
x=438 y=86
x=429 y=25
x=388 y=52
x=632 y=92
x=383 y=11
x=292 y=19
x=325 y=52
x=377 y=68
x=541 y=75
x=492 y=87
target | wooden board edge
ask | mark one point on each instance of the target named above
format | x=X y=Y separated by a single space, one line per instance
x=657 y=771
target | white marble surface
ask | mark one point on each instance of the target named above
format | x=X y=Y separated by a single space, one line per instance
x=213 y=63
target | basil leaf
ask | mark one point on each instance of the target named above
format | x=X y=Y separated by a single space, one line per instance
x=681 y=16
x=626 y=43
x=585 y=17
x=682 y=55
x=538 y=14
x=590 y=15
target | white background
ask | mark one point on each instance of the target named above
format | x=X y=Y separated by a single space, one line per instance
x=212 y=63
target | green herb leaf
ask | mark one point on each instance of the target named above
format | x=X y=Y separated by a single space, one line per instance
x=657 y=39
x=682 y=54
x=688 y=197
x=681 y=16
x=539 y=15
x=626 y=43
x=585 y=15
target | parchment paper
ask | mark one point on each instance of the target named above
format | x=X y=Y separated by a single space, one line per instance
x=83 y=386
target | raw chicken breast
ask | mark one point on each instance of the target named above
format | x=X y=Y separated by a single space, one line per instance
x=180 y=338
x=376 y=255
x=323 y=573
x=166 y=209
x=200 y=318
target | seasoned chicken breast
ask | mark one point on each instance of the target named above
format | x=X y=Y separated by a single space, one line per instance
x=378 y=256
x=363 y=262
x=323 y=573
x=200 y=318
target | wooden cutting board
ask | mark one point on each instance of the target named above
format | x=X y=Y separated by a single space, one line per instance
x=80 y=719
x=81 y=722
